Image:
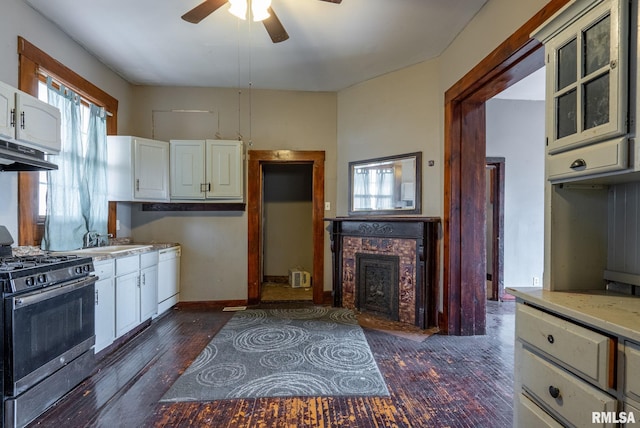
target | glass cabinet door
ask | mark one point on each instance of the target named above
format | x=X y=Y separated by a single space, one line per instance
x=586 y=78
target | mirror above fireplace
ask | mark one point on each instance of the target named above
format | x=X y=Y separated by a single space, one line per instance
x=386 y=186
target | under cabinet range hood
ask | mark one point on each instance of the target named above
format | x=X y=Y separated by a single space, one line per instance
x=15 y=157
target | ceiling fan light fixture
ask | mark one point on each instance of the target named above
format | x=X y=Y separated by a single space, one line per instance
x=238 y=8
x=260 y=9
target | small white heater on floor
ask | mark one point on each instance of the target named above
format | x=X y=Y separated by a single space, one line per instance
x=299 y=278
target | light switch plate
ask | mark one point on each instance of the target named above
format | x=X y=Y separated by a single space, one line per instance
x=327 y=206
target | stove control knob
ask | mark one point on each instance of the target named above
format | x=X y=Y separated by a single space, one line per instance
x=42 y=278
x=30 y=281
x=78 y=269
x=87 y=268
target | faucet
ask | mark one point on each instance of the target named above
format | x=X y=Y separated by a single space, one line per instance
x=91 y=239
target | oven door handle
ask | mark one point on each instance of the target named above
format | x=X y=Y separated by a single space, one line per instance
x=25 y=300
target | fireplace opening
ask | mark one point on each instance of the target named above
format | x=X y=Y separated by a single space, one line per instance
x=377 y=278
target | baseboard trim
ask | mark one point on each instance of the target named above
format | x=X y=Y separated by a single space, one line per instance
x=211 y=304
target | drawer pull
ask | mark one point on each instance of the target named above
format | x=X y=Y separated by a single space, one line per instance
x=554 y=392
x=550 y=338
x=578 y=163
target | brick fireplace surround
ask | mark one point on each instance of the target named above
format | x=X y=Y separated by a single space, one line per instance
x=400 y=250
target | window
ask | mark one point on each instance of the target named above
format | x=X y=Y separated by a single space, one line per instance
x=42 y=175
x=587 y=90
x=32 y=64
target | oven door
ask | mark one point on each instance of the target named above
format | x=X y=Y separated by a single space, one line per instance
x=46 y=330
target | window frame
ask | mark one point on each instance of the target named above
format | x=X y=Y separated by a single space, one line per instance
x=32 y=63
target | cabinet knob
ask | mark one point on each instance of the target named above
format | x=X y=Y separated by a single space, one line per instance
x=578 y=163
x=550 y=338
x=554 y=392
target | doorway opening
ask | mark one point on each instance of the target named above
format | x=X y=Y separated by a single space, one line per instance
x=287 y=250
x=464 y=283
x=283 y=163
x=495 y=227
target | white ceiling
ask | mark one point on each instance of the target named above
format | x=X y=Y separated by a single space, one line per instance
x=331 y=46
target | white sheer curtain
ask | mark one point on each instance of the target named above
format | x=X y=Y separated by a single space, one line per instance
x=76 y=192
x=373 y=188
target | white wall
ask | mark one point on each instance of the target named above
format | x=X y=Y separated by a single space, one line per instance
x=19 y=19
x=397 y=113
x=403 y=111
x=214 y=259
x=515 y=131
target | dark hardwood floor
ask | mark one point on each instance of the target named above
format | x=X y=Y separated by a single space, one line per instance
x=443 y=381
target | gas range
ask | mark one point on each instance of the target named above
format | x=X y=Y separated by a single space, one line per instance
x=25 y=273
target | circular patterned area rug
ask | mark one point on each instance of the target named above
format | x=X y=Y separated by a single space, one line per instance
x=313 y=351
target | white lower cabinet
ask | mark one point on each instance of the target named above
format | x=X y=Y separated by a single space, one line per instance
x=127 y=302
x=532 y=416
x=126 y=295
x=573 y=374
x=105 y=316
x=148 y=285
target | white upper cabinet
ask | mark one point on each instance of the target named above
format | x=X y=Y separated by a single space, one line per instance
x=187 y=169
x=138 y=169
x=29 y=121
x=586 y=48
x=206 y=169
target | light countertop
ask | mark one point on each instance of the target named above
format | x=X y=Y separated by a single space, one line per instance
x=612 y=312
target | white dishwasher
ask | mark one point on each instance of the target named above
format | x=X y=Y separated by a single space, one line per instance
x=168 y=278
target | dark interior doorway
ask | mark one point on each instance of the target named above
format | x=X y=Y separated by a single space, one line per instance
x=258 y=160
x=287 y=227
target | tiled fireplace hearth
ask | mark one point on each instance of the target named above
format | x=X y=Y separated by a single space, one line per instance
x=386 y=266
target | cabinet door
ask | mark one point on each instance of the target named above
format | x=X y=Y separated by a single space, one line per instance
x=38 y=124
x=127 y=302
x=148 y=292
x=187 y=169
x=587 y=77
x=7 y=104
x=105 y=314
x=224 y=169
x=151 y=170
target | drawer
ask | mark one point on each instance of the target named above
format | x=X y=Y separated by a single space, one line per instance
x=632 y=371
x=103 y=269
x=633 y=415
x=567 y=395
x=590 y=353
x=532 y=416
x=127 y=264
x=597 y=158
x=149 y=258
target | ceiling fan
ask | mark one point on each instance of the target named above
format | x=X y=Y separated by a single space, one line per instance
x=272 y=24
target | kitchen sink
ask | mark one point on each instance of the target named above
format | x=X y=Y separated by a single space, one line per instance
x=108 y=249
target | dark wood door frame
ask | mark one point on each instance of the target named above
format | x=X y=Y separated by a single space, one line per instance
x=497 y=220
x=255 y=176
x=464 y=163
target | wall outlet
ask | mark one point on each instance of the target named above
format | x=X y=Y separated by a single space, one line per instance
x=327 y=206
x=536 y=280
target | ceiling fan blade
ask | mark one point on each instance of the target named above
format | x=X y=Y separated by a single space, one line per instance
x=203 y=10
x=274 y=27
x=333 y=1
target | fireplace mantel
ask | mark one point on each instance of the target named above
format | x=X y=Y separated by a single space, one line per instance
x=413 y=240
